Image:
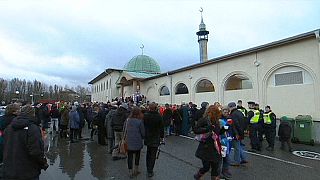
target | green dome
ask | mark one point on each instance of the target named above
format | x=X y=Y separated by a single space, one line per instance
x=142 y=63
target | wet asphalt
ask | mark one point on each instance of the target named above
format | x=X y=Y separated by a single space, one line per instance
x=86 y=160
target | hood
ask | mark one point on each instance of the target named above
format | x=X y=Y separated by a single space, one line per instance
x=20 y=122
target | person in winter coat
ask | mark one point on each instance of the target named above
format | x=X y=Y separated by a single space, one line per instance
x=55 y=116
x=110 y=132
x=209 y=149
x=154 y=133
x=200 y=112
x=184 y=112
x=117 y=123
x=134 y=135
x=177 y=120
x=167 y=119
x=74 y=123
x=284 y=133
x=64 y=122
x=118 y=120
x=101 y=128
x=10 y=113
x=44 y=116
x=239 y=122
x=81 y=111
x=23 y=156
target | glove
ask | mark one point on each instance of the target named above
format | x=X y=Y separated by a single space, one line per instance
x=230 y=121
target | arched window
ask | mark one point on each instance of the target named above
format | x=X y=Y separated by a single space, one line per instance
x=164 y=91
x=181 y=89
x=237 y=82
x=204 y=86
x=107 y=85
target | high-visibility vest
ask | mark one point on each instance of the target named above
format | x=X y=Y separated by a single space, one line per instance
x=267 y=118
x=243 y=110
x=256 y=117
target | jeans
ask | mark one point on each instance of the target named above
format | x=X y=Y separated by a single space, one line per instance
x=151 y=158
x=225 y=162
x=136 y=158
x=238 y=151
x=167 y=130
x=54 y=125
x=73 y=134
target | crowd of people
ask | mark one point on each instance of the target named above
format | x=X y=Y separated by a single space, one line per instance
x=125 y=127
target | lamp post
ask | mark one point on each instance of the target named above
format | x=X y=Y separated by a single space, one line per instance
x=17 y=93
x=32 y=101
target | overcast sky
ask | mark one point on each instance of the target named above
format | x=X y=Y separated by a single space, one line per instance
x=71 y=42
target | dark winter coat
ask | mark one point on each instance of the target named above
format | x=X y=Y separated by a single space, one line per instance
x=239 y=122
x=44 y=116
x=135 y=134
x=107 y=123
x=54 y=113
x=7 y=119
x=118 y=119
x=153 y=125
x=81 y=116
x=23 y=151
x=199 y=114
x=167 y=117
x=284 y=131
x=206 y=150
x=64 y=117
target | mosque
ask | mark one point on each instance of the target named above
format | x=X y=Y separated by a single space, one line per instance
x=284 y=74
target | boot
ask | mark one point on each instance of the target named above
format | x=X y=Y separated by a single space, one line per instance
x=215 y=178
x=131 y=174
x=197 y=176
x=226 y=173
x=136 y=171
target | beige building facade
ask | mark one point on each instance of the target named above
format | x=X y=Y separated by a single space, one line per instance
x=284 y=74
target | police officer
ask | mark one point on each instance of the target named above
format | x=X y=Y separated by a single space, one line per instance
x=253 y=120
x=260 y=128
x=241 y=108
x=269 y=125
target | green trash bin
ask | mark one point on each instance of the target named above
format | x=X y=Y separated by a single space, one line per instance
x=292 y=123
x=303 y=129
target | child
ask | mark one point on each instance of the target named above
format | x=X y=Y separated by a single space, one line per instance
x=284 y=133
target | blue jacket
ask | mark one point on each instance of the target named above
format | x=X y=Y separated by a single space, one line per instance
x=74 y=119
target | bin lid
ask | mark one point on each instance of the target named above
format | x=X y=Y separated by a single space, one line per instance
x=303 y=118
x=286 y=118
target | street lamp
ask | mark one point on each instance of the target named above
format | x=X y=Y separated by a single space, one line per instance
x=17 y=93
x=31 y=95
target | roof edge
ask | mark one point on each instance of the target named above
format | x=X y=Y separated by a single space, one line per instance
x=104 y=74
x=241 y=53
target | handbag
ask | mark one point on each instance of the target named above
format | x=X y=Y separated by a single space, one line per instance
x=123 y=144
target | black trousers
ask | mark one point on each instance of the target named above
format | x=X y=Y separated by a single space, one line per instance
x=101 y=135
x=215 y=168
x=151 y=158
x=270 y=133
x=73 y=134
x=136 y=158
x=253 y=135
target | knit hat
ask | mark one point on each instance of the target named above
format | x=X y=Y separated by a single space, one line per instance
x=204 y=104
x=27 y=110
x=232 y=104
x=124 y=105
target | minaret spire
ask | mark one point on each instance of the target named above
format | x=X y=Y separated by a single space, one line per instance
x=203 y=39
x=142 y=47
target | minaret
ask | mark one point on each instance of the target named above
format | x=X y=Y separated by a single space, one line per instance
x=203 y=40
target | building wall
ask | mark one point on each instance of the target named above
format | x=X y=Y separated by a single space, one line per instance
x=288 y=100
x=106 y=94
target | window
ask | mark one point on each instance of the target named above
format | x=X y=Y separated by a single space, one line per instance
x=237 y=82
x=181 y=89
x=289 y=78
x=164 y=91
x=204 y=86
x=107 y=85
